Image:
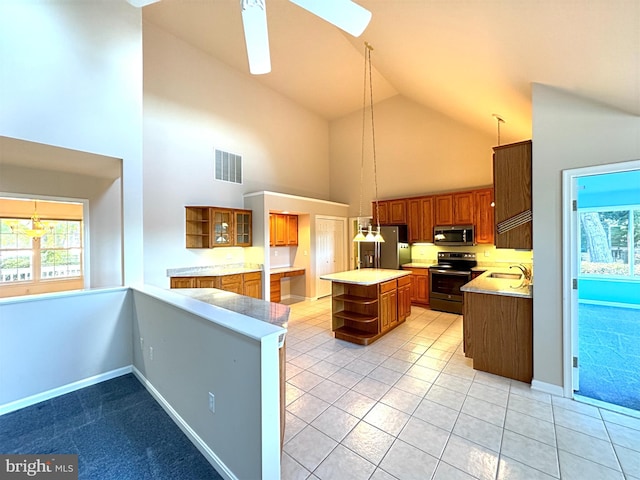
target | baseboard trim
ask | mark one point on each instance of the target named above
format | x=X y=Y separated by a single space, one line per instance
x=56 y=392
x=547 y=388
x=209 y=454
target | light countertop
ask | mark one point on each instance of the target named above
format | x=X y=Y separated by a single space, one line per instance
x=214 y=270
x=273 y=313
x=365 y=276
x=285 y=270
x=420 y=264
x=499 y=286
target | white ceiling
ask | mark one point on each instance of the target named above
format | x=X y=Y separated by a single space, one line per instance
x=467 y=59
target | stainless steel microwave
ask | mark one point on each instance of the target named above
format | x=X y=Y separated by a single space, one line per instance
x=454 y=235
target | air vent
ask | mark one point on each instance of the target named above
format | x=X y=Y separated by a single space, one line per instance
x=228 y=167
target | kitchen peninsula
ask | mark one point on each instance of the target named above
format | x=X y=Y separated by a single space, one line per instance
x=369 y=302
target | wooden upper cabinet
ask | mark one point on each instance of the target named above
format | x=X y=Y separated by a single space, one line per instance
x=512 y=191
x=380 y=212
x=414 y=220
x=420 y=219
x=463 y=208
x=398 y=212
x=283 y=230
x=208 y=227
x=483 y=212
x=443 y=208
x=242 y=228
x=426 y=212
x=292 y=230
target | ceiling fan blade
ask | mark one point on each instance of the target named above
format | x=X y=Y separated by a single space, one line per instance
x=256 y=35
x=344 y=14
x=142 y=3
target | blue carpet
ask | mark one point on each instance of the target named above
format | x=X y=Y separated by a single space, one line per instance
x=609 y=343
x=117 y=430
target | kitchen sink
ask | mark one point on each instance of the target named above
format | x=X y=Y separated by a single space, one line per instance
x=508 y=276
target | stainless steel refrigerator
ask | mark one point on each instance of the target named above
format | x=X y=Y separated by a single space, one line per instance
x=394 y=252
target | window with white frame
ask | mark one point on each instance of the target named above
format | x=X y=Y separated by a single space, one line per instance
x=610 y=241
x=57 y=255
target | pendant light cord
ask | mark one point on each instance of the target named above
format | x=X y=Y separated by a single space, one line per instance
x=368 y=49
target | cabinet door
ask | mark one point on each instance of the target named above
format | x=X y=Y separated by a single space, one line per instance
x=414 y=220
x=512 y=191
x=463 y=208
x=398 y=212
x=404 y=300
x=292 y=230
x=232 y=283
x=222 y=227
x=272 y=230
x=380 y=212
x=183 y=282
x=281 y=230
x=242 y=228
x=483 y=203
x=252 y=284
x=426 y=214
x=443 y=209
x=207 y=282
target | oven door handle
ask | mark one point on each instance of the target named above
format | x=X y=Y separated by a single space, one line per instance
x=449 y=272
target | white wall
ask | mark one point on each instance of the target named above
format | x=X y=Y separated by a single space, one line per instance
x=568 y=132
x=193 y=104
x=52 y=341
x=71 y=76
x=418 y=151
x=192 y=356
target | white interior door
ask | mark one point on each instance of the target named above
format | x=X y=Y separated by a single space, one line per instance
x=330 y=251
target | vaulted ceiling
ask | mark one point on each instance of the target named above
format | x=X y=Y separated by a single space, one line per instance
x=467 y=59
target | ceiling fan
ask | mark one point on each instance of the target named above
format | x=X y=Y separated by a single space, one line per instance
x=344 y=14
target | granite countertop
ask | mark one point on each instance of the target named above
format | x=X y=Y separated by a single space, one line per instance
x=365 y=276
x=499 y=286
x=273 y=313
x=213 y=270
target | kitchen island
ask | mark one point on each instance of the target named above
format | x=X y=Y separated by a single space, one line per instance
x=498 y=324
x=369 y=302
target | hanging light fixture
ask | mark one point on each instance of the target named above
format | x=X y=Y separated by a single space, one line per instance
x=371 y=236
x=38 y=227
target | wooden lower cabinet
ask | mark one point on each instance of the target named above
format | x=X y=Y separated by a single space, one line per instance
x=363 y=313
x=498 y=334
x=404 y=298
x=419 y=285
x=183 y=282
x=249 y=284
x=252 y=284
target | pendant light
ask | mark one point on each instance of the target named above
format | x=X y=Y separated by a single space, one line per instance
x=371 y=236
x=38 y=227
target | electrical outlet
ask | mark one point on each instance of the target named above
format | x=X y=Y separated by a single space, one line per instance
x=150 y=353
x=275 y=253
x=212 y=402
x=141 y=343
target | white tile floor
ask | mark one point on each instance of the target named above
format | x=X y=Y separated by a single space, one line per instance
x=410 y=406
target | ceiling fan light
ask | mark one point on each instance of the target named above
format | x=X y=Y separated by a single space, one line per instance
x=344 y=14
x=256 y=36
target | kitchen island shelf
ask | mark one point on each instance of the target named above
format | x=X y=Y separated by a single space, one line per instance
x=356 y=299
x=356 y=317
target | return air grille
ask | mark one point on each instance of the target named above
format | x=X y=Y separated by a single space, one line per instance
x=228 y=167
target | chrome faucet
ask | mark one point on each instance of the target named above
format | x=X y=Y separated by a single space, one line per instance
x=525 y=271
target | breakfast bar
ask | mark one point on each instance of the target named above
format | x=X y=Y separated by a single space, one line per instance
x=367 y=303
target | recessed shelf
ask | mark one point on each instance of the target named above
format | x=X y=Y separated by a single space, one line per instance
x=355 y=299
x=356 y=317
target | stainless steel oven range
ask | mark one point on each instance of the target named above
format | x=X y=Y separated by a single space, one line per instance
x=445 y=279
